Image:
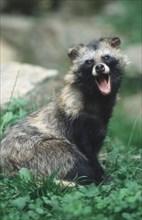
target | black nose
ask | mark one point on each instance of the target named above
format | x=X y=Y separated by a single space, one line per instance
x=100 y=68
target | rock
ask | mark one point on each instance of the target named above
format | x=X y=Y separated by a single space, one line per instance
x=17 y=79
x=45 y=40
x=15 y=28
x=134 y=54
x=8 y=53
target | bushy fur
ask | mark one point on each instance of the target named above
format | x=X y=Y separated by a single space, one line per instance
x=68 y=133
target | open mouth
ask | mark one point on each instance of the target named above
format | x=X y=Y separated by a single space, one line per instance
x=103 y=83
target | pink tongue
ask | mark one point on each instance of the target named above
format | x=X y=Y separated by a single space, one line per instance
x=104 y=85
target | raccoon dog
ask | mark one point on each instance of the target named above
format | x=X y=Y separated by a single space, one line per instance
x=68 y=133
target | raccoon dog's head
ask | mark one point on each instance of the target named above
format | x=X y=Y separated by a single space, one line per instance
x=97 y=67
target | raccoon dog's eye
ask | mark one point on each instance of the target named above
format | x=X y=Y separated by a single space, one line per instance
x=106 y=57
x=88 y=62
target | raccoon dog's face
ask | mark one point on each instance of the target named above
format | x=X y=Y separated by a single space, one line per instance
x=97 y=66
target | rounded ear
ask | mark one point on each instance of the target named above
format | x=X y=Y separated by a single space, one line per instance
x=115 y=42
x=74 y=52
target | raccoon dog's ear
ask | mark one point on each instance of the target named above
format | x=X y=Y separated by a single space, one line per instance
x=115 y=42
x=74 y=52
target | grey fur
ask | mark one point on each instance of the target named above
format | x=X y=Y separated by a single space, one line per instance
x=38 y=142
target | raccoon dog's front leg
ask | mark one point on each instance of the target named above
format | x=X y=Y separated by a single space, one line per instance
x=89 y=134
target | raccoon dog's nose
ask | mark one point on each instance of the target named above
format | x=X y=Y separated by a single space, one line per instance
x=100 y=68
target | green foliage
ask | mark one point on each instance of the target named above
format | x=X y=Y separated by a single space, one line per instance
x=125 y=130
x=24 y=197
x=131 y=84
x=14 y=112
x=123 y=127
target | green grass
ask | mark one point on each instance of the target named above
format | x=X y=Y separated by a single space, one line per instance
x=15 y=111
x=125 y=130
x=24 y=197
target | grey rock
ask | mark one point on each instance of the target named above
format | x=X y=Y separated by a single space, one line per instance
x=45 y=40
x=8 y=52
x=19 y=79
